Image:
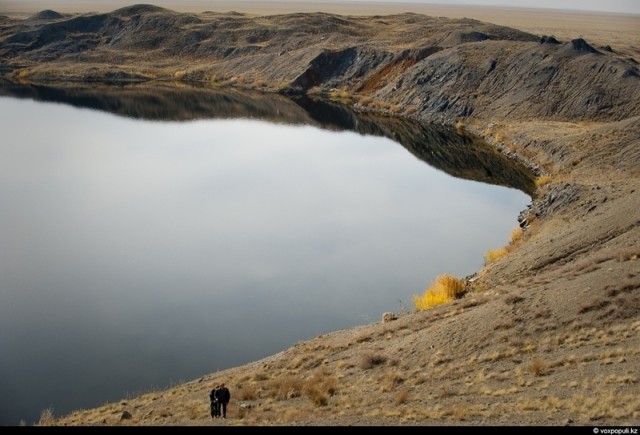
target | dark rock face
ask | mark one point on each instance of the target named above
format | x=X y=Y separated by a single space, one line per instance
x=331 y=68
x=582 y=46
x=552 y=81
x=548 y=40
x=47 y=14
x=138 y=9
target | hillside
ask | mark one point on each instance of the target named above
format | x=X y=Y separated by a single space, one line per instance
x=546 y=335
x=413 y=65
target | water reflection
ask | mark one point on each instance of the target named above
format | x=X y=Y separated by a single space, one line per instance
x=137 y=253
x=458 y=155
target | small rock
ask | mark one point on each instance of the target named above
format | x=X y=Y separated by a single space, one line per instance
x=548 y=40
x=293 y=394
x=126 y=415
x=388 y=317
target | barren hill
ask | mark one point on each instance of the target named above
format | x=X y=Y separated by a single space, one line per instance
x=431 y=68
x=546 y=335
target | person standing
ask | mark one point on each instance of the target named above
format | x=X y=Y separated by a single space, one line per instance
x=215 y=403
x=223 y=399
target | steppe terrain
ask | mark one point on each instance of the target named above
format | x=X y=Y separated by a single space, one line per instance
x=546 y=334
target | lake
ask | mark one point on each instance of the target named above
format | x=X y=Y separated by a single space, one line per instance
x=151 y=236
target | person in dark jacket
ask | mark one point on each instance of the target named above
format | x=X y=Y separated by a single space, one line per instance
x=223 y=399
x=215 y=403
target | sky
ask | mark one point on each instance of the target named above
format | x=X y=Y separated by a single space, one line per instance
x=624 y=6
x=620 y=6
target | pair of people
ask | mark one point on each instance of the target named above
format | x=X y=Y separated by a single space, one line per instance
x=219 y=398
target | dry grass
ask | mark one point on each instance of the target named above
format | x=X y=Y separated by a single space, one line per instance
x=392 y=380
x=341 y=95
x=361 y=338
x=283 y=388
x=628 y=254
x=444 y=289
x=46 y=417
x=542 y=180
x=513 y=299
x=370 y=360
x=516 y=235
x=401 y=397
x=247 y=392
x=543 y=313
x=317 y=396
x=499 y=136
x=538 y=367
x=493 y=254
x=515 y=240
x=448 y=387
x=613 y=406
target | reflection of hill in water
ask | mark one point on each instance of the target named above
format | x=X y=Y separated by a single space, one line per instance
x=457 y=155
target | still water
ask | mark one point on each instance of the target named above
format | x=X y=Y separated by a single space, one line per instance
x=139 y=252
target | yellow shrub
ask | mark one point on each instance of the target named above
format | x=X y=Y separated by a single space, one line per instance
x=500 y=137
x=542 y=180
x=444 y=289
x=340 y=94
x=516 y=234
x=494 y=254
